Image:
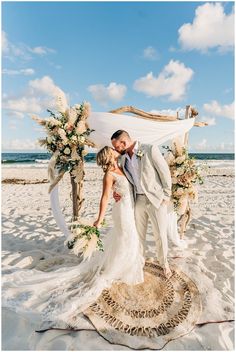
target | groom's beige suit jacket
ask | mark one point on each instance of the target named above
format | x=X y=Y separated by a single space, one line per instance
x=155 y=174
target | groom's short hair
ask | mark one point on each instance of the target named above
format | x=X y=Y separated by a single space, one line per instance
x=120 y=133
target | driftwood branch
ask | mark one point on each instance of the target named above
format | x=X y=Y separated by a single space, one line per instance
x=200 y=124
x=157 y=117
x=143 y=114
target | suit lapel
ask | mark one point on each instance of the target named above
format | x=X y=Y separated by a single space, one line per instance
x=142 y=159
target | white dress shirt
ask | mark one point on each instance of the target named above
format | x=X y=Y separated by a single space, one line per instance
x=133 y=166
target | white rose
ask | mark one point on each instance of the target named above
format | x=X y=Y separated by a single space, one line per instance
x=67 y=151
x=78 y=231
x=77 y=106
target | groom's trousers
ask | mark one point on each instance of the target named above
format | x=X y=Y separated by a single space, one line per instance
x=145 y=210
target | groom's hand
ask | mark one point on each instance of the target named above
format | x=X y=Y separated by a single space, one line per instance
x=116 y=196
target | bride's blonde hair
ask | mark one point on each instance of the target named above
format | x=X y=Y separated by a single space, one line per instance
x=105 y=158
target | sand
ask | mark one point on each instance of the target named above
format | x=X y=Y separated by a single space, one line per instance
x=31 y=239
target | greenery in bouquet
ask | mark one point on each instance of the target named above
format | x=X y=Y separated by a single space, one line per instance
x=84 y=239
x=185 y=175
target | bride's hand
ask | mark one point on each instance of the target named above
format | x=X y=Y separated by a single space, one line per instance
x=97 y=223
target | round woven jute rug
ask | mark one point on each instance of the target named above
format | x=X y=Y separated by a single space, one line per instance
x=150 y=314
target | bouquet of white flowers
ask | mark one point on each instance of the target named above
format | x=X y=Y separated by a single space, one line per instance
x=84 y=239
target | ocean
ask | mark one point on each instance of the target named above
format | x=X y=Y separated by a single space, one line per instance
x=41 y=159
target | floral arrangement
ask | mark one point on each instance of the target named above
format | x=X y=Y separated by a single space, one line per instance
x=84 y=239
x=184 y=175
x=67 y=134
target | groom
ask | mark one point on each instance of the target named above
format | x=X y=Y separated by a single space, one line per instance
x=149 y=174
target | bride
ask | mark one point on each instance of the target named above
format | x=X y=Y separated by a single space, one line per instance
x=59 y=297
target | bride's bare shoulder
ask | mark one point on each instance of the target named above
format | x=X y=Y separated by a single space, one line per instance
x=108 y=175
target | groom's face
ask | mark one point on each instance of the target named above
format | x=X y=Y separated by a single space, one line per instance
x=119 y=145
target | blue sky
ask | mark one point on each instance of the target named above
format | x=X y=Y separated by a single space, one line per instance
x=156 y=56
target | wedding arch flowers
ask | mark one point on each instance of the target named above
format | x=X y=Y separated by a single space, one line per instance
x=185 y=174
x=67 y=135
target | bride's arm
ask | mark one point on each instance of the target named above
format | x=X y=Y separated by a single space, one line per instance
x=107 y=185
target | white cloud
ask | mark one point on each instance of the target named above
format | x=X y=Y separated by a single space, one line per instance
x=172 y=49
x=21 y=50
x=216 y=109
x=24 y=72
x=150 y=53
x=227 y=90
x=21 y=144
x=171 y=81
x=16 y=114
x=5 y=44
x=12 y=124
x=169 y=112
x=12 y=51
x=113 y=92
x=41 y=50
x=210 y=120
x=211 y=28
x=204 y=147
x=27 y=104
x=45 y=85
x=40 y=95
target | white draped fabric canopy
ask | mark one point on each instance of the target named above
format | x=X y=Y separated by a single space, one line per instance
x=146 y=131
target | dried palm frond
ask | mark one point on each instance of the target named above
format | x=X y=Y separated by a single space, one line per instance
x=86 y=111
x=42 y=142
x=79 y=245
x=89 y=143
x=91 y=247
x=72 y=116
x=40 y=121
x=177 y=146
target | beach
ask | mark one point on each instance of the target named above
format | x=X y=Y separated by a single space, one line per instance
x=31 y=239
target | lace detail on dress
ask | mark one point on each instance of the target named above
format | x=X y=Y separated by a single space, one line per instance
x=122 y=186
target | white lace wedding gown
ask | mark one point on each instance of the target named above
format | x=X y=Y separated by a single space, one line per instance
x=60 y=296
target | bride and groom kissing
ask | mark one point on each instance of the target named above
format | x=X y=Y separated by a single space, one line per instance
x=141 y=183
